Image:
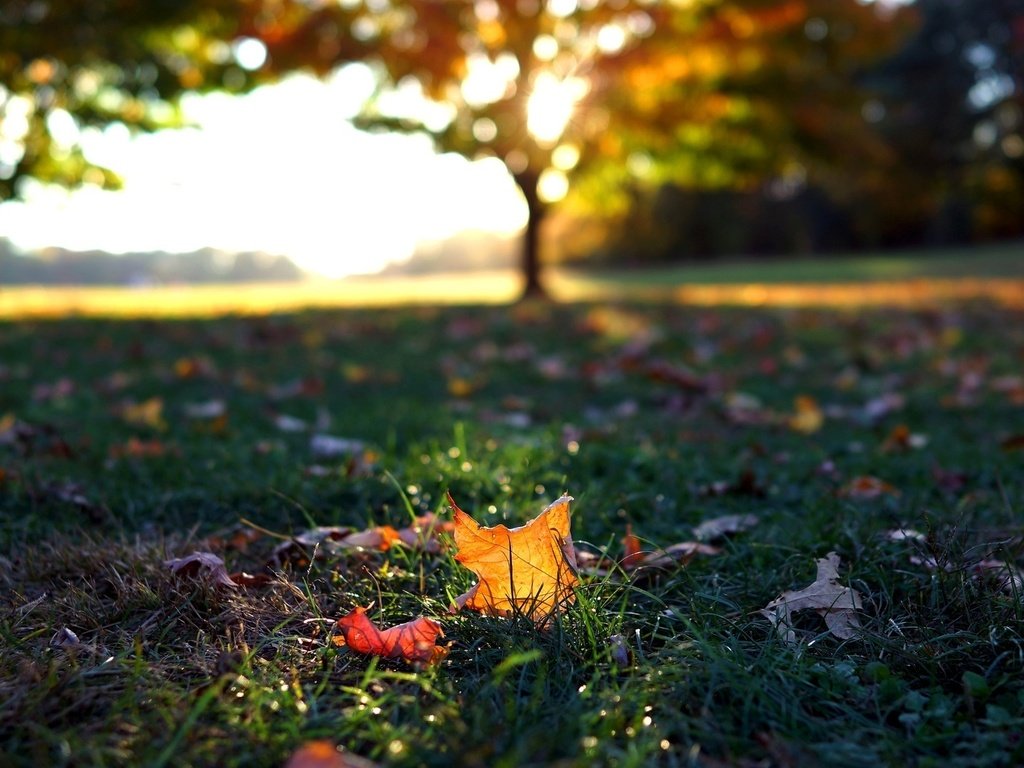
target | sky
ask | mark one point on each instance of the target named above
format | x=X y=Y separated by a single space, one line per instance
x=279 y=170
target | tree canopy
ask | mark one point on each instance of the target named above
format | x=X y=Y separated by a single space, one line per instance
x=608 y=94
x=591 y=96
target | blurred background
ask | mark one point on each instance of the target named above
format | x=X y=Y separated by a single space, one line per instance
x=200 y=141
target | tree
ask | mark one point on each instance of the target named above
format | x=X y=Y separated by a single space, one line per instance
x=704 y=92
x=70 y=65
x=951 y=102
x=611 y=93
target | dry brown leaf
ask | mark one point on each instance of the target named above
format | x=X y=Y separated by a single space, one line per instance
x=718 y=527
x=323 y=754
x=414 y=641
x=201 y=564
x=530 y=570
x=424 y=532
x=674 y=556
x=835 y=603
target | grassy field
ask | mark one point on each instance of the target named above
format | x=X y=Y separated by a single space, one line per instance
x=989 y=273
x=891 y=436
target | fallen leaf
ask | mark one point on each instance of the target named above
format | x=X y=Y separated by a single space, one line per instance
x=835 y=603
x=619 y=650
x=58 y=390
x=719 y=527
x=244 y=579
x=148 y=413
x=380 y=537
x=193 y=367
x=74 y=494
x=676 y=555
x=904 y=534
x=1012 y=443
x=424 y=533
x=530 y=569
x=323 y=754
x=902 y=439
x=65 y=638
x=287 y=423
x=631 y=548
x=414 y=641
x=298 y=549
x=139 y=449
x=205 y=564
x=866 y=487
x=209 y=409
x=808 y=417
x=329 y=446
x=1008 y=577
x=309 y=387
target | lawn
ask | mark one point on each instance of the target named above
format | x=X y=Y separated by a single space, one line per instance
x=890 y=436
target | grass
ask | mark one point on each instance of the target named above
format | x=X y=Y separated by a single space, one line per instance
x=105 y=475
x=985 y=273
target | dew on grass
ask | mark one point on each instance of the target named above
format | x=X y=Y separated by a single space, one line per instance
x=454 y=453
x=467 y=466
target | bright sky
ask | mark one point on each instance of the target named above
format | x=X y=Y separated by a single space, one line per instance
x=279 y=170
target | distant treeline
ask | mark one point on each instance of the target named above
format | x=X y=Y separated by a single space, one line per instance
x=946 y=166
x=60 y=267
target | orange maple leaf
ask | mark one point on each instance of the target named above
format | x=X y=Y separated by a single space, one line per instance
x=530 y=570
x=414 y=641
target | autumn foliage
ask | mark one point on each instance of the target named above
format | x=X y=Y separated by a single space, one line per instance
x=529 y=571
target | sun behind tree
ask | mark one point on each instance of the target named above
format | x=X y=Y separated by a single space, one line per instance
x=596 y=96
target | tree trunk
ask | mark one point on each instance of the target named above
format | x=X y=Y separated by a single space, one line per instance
x=530 y=265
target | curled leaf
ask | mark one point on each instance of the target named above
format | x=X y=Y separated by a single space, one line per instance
x=414 y=641
x=204 y=565
x=833 y=602
x=529 y=570
x=718 y=527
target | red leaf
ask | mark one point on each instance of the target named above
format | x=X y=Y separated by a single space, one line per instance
x=323 y=754
x=632 y=551
x=414 y=641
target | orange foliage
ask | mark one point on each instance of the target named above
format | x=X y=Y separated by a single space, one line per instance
x=530 y=570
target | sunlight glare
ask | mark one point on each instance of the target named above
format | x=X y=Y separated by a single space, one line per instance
x=552 y=186
x=550 y=106
x=279 y=171
x=486 y=81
